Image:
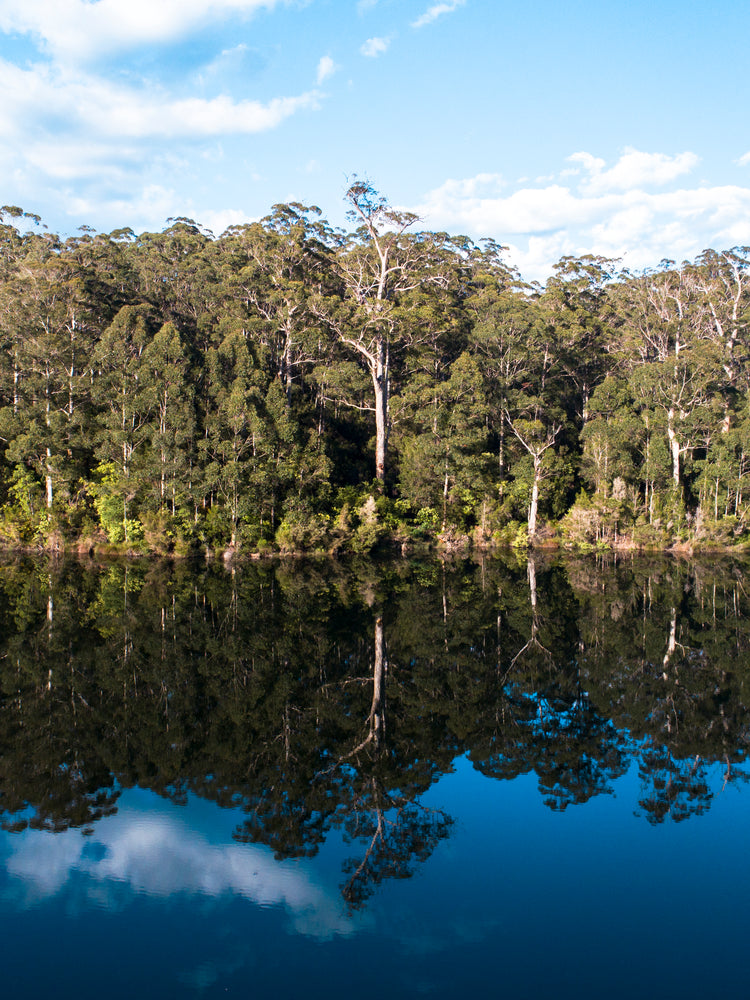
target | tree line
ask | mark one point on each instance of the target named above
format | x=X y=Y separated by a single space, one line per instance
x=290 y=386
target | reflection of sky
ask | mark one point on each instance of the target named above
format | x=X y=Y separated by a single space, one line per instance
x=159 y=855
x=519 y=899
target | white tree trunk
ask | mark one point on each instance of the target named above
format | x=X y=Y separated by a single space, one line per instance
x=377 y=710
x=674 y=447
x=380 y=385
x=534 y=505
x=48 y=479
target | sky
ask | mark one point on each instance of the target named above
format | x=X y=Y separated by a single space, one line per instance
x=620 y=129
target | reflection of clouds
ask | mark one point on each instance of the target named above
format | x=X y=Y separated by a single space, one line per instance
x=46 y=868
x=158 y=856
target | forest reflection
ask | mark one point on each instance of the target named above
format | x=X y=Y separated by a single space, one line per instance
x=319 y=697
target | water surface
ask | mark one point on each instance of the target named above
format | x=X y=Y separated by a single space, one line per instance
x=417 y=778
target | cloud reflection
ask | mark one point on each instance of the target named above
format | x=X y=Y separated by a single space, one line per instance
x=159 y=856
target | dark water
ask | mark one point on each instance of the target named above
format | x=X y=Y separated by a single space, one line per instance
x=462 y=779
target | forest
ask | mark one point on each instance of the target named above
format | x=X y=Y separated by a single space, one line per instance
x=293 y=387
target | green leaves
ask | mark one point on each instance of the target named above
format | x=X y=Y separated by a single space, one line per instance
x=234 y=380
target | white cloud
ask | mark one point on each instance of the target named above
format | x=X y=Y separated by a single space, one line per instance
x=74 y=160
x=218 y=221
x=634 y=169
x=744 y=160
x=374 y=47
x=112 y=148
x=147 y=208
x=73 y=30
x=229 y=62
x=197 y=117
x=472 y=187
x=150 y=207
x=437 y=10
x=73 y=135
x=326 y=67
x=591 y=163
x=43 y=99
x=609 y=211
x=529 y=210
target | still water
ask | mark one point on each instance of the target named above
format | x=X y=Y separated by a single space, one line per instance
x=521 y=777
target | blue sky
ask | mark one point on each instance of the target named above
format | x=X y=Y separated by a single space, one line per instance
x=613 y=128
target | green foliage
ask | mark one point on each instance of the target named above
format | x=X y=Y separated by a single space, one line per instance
x=24 y=516
x=596 y=522
x=302 y=529
x=233 y=392
x=370 y=529
x=516 y=535
x=109 y=502
x=216 y=527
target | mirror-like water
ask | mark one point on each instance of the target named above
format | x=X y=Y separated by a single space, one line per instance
x=442 y=779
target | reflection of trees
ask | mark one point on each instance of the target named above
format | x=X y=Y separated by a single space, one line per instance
x=533 y=643
x=672 y=788
x=548 y=723
x=664 y=654
x=346 y=779
x=380 y=809
x=578 y=755
x=275 y=691
x=46 y=756
x=399 y=833
x=325 y=757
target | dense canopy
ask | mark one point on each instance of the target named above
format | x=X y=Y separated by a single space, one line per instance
x=290 y=386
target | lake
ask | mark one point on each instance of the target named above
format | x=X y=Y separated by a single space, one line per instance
x=442 y=778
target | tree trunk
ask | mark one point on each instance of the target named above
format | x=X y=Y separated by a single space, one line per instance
x=534 y=505
x=674 y=447
x=48 y=479
x=671 y=642
x=446 y=483
x=380 y=385
x=377 y=710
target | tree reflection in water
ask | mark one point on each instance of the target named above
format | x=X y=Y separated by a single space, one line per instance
x=329 y=698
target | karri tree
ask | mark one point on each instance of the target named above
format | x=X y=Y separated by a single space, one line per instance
x=379 y=264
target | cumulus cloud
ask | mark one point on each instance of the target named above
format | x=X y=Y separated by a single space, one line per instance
x=478 y=203
x=197 y=117
x=374 y=47
x=74 y=135
x=142 y=208
x=634 y=169
x=613 y=211
x=53 y=100
x=219 y=221
x=437 y=10
x=74 y=30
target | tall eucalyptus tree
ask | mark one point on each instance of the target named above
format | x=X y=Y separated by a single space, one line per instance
x=379 y=264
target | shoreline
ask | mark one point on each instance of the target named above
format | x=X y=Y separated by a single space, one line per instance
x=396 y=548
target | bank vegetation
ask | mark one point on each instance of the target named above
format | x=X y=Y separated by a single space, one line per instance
x=292 y=387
